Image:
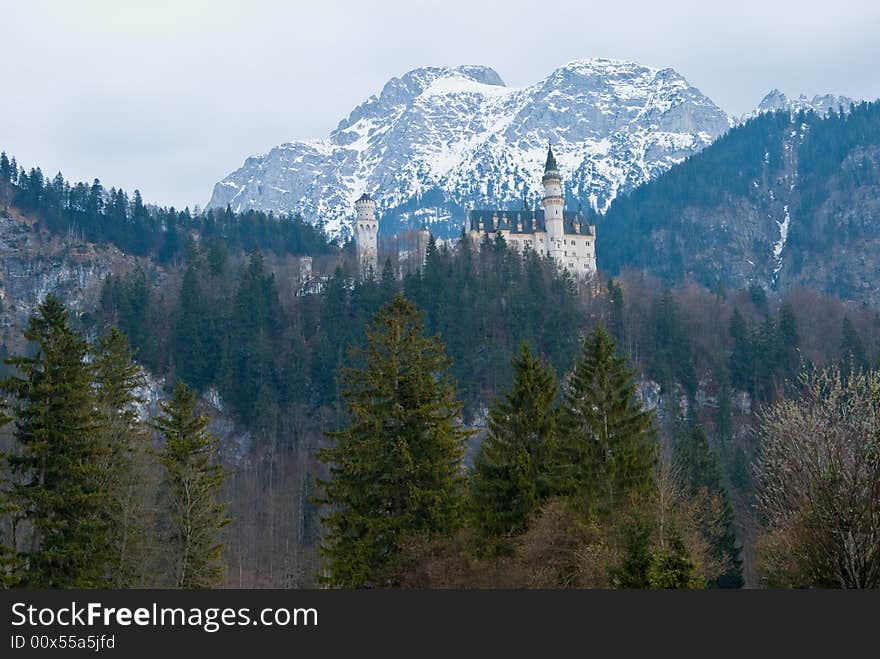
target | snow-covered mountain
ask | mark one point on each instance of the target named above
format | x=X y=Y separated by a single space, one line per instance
x=821 y=104
x=438 y=139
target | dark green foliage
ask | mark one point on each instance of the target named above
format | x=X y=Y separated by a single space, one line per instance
x=192 y=481
x=852 y=349
x=90 y=212
x=125 y=474
x=252 y=378
x=605 y=447
x=699 y=469
x=486 y=302
x=57 y=486
x=615 y=298
x=395 y=467
x=662 y=226
x=633 y=569
x=647 y=228
x=671 y=567
x=671 y=359
x=196 y=333
x=510 y=476
x=820 y=160
x=765 y=355
x=10 y=561
x=758 y=296
x=128 y=303
x=788 y=342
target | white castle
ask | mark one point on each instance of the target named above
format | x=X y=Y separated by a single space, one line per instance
x=565 y=236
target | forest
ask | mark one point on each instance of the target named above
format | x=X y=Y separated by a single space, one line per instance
x=484 y=465
x=715 y=213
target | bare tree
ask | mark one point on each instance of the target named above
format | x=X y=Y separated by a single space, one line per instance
x=818 y=476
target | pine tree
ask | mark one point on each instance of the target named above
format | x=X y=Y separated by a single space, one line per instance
x=194 y=338
x=388 y=282
x=605 y=446
x=5 y=168
x=10 y=561
x=741 y=359
x=395 y=467
x=192 y=482
x=510 y=478
x=672 y=568
x=126 y=471
x=788 y=341
x=633 y=569
x=852 y=349
x=615 y=297
x=58 y=469
x=699 y=469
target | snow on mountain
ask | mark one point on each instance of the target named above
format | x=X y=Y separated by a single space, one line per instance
x=821 y=104
x=437 y=139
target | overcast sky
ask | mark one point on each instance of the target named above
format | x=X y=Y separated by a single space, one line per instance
x=170 y=96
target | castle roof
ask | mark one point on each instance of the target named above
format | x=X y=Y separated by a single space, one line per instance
x=525 y=222
x=365 y=197
x=550 y=165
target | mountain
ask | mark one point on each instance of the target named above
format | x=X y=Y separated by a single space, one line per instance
x=775 y=100
x=783 y=201
x=439 y=138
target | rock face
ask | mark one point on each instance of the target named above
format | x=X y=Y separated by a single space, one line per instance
x=782 y=201
x=34 y=264
x=437 y=139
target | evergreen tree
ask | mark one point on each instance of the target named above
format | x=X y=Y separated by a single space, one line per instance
x=788 y=341
x=633 y=570
x=510 y=478
x=699 y=468
x=252 y=367
x=192 y=482
x=605 y=444
x=672 y=567
x=195 y=333
x=395 y=467
x=670 y=355
x=852 y=349
x=10 y=561
x=388 y=282
x=615 y=297
x=5 y=168
x=741 y=358
x=724 y=414
x=58 y=468
x=126 y=445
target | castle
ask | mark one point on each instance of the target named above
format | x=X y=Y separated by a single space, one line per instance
x=564 y=236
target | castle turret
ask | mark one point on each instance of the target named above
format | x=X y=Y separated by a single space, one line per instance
x=366 y=229
x=553 y=203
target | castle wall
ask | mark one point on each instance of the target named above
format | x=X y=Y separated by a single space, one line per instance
x=577 y=251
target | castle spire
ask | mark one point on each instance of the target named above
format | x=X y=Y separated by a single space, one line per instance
x=550 y=166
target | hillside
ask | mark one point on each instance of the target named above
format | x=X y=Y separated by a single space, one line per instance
x=785 y=200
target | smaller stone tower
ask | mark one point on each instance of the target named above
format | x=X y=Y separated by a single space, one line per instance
x=553 y=203
x=366 y=229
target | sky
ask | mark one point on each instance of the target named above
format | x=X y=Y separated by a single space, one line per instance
x=170 y=96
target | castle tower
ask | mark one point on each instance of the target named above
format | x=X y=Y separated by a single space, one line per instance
x=553 y=203
x=366 y=228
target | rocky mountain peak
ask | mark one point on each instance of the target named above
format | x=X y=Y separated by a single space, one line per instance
x=439 y=138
